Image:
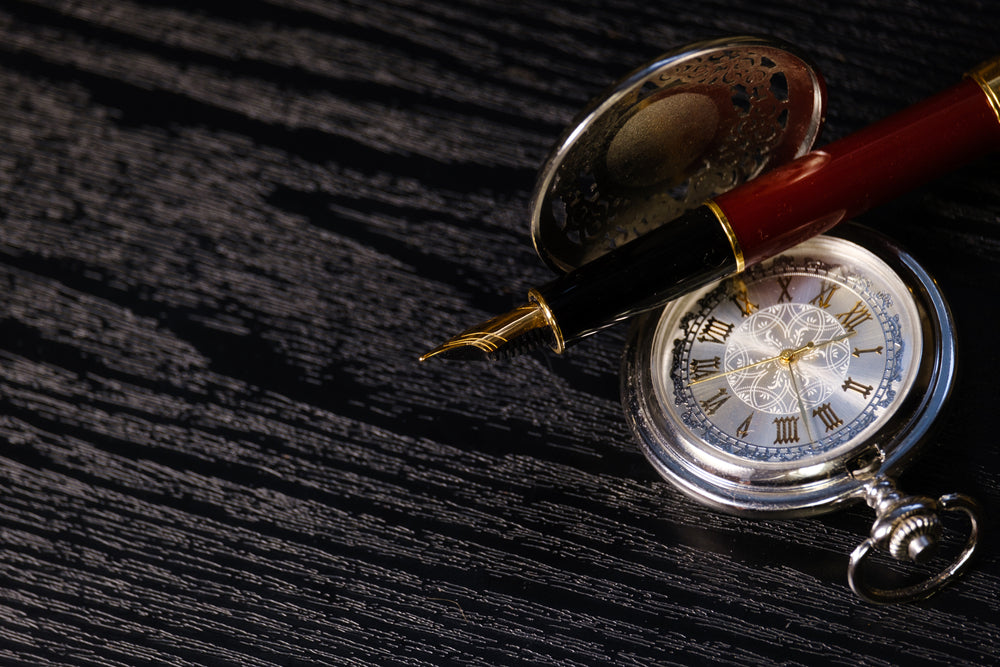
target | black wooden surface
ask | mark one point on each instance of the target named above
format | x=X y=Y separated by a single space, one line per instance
x=226 y=233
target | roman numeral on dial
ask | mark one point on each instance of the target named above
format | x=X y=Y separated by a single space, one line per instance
x=855 y=316
x=715 y=331
x=786 y=430
x=742 y=301
x=825 y=294
x=828 y=417
x=704 y=367
x=853 y=385
x=712 y=404
x=744 y=428
x=784 y=281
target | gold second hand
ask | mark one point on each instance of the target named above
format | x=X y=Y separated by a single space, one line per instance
x=798 y=397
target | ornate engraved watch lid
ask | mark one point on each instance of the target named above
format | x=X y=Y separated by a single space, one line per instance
x=681 y=129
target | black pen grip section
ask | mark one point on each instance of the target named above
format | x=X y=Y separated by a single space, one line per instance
x=659 y=266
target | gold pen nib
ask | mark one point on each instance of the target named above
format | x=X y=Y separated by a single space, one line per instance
x=520 y=330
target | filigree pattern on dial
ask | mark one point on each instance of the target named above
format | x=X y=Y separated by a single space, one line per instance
x=789 y=384
x=789 y=360
x=787 y=327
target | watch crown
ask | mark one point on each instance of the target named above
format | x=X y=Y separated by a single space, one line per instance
x=907 y=527
x=915 y=537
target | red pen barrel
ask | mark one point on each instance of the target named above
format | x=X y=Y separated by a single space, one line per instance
x=758 y=219
x=810 y=195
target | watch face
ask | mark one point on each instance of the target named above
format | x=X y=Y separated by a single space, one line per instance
x=793 y=359
x=783 y=389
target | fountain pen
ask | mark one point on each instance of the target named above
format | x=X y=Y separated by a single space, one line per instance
x=751 y=222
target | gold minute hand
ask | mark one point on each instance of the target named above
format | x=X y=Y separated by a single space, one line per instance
x=787 y=355
x=735 y=370
x=798 y=398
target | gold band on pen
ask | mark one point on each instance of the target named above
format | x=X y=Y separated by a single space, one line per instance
x=550 y=319
x=987 y=75
x=730 y=234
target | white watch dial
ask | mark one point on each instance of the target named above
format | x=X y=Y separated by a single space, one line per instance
x=791 y=360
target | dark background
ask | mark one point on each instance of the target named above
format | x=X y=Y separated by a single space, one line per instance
x=227 y=231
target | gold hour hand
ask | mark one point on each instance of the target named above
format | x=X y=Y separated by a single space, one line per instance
x=814 y=346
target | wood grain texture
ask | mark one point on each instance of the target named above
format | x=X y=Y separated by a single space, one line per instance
x=227 y=231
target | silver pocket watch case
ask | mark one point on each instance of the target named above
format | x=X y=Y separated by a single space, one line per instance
x=683 y=128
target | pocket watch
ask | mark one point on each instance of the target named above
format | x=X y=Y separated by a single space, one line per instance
x=798 y=386
x=801 y=385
